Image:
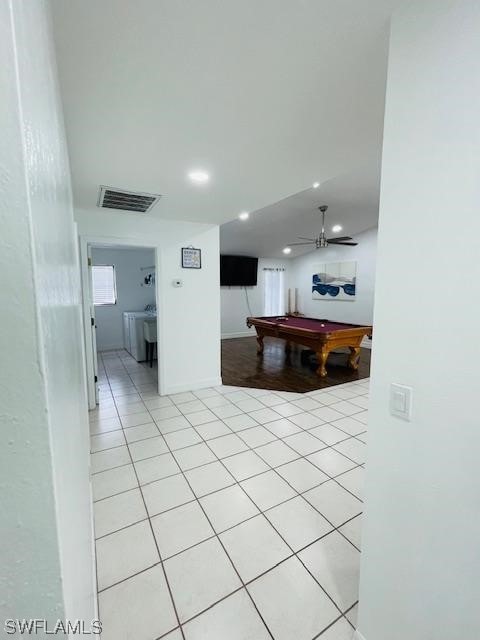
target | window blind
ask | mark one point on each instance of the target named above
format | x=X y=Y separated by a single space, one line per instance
x=103 y=282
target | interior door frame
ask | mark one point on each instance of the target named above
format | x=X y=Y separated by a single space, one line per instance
x=93 y=323
x=86 y=242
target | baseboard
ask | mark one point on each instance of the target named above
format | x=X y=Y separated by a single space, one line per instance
x=192 y=386
x=358 y=636
x=111 y=347
x=239 y=334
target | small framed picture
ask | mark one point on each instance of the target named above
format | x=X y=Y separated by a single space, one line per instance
x=191 y=258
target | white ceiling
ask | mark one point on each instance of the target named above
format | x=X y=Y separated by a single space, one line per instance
x=267 y=95
x=352 y=203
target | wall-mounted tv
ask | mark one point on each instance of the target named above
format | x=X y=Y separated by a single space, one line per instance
x=238 y=271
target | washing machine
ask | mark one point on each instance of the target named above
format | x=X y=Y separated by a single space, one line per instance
x=134 y=340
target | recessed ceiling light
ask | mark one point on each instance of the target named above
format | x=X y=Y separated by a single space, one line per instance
x=315 y=185
x=199 y=177
x=244 y=215
x=287 y=250
x=336 y=228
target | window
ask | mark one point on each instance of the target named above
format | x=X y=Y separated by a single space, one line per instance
x=274 y=294
x=104 y=287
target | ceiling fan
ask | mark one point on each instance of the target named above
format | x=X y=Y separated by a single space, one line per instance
x=321 y=241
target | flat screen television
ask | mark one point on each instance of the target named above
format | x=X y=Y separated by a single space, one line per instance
x=238 y=271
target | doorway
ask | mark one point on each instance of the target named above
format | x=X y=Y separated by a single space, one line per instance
x=122 y=323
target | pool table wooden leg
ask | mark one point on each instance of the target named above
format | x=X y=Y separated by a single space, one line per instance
x=354 y=357
x=259 y=344
x=322 y=359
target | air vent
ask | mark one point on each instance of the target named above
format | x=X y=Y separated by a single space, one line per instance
x=126 y=200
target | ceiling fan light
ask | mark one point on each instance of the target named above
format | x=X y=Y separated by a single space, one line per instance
x=287 y=250
x=321 y=241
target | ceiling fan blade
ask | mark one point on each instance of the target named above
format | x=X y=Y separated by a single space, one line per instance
x=299 y=244
x=345 y=244
x=341 y=238
x=302 y=238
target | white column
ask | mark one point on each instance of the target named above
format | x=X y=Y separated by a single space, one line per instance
x=47 y=561
x=421 y=560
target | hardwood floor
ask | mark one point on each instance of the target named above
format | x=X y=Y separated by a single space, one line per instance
x=280 y=371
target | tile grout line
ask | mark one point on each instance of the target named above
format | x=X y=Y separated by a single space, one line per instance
x=284 y=540
x=348 y=611
x=223 y=547
x=301 y=494
x=334 y=527
x=304 y=457
x=300 y=457
x=326 y=446
x=158 y=550
x=255 y=475
x=298 y=494
x=245 y=413
x=178 y=405
x=342 y=617
x=214 y=535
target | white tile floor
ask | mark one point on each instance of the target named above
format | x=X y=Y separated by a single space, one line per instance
x=226 y=513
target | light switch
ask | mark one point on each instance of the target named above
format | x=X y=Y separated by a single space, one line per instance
x=401 y=401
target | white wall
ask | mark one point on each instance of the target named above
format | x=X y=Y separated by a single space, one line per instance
x=189 y=316
x=47 y=560
x=234 y=307
x=421 y=561
x=131 y=295
x=357 y=311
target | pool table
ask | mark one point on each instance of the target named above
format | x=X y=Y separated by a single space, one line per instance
x=322 y=336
